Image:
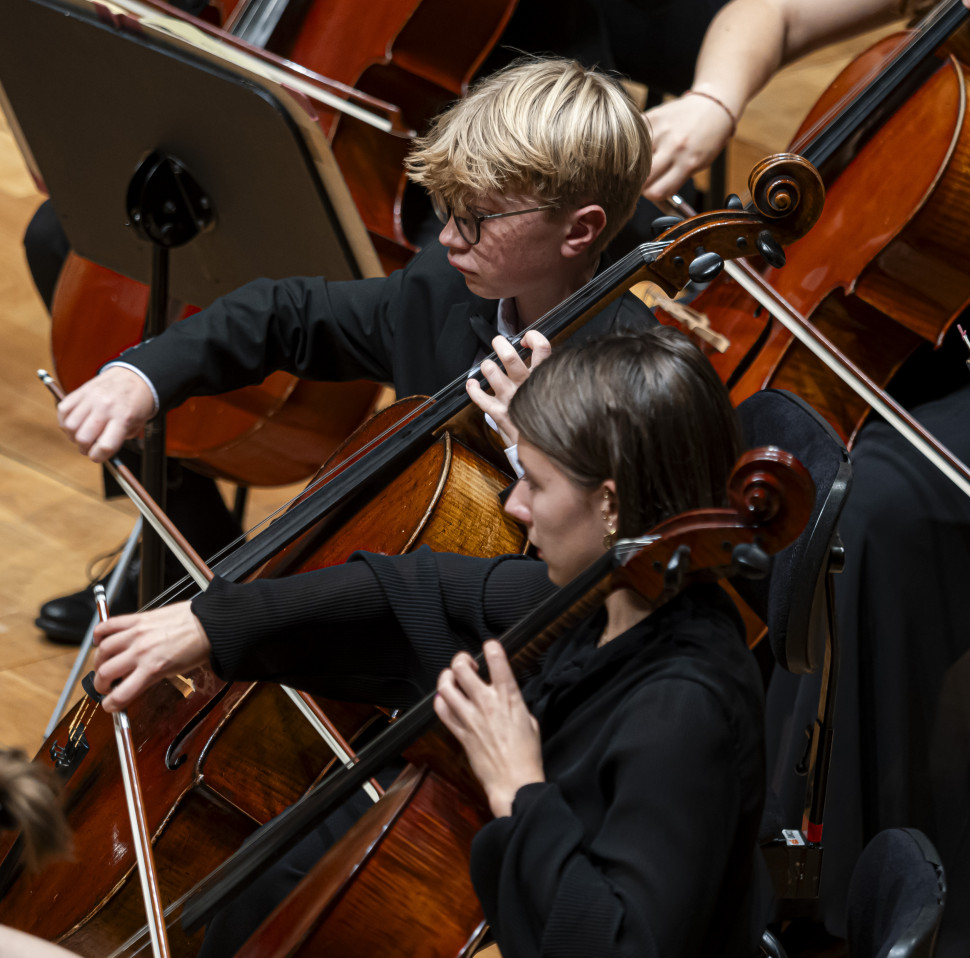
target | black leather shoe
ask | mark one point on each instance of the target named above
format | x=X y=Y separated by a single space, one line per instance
x=66 y=618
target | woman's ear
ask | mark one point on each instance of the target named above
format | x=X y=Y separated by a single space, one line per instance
x=585 y=226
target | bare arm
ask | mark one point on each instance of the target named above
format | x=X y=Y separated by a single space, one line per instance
x=18 y=944
x=746 y=43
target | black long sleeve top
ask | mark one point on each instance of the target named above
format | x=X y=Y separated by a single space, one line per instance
x=418 y=329
x=643 y=839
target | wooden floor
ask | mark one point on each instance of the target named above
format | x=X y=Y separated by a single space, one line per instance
x=53 y=520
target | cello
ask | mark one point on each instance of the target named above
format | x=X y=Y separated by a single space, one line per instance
x=215 y=763
x=788 y=199
x=906 y=261
x=407 y=858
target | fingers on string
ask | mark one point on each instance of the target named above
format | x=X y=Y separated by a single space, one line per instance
x=540 y=346
x=451 y=705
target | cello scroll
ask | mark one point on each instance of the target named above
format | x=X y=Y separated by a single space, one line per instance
x=788 y=196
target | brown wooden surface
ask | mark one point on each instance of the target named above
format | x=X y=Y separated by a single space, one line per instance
x=53 y=519
x=209 y=777
x=397 y=884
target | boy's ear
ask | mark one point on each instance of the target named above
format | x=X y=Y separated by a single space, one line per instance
x=585 y=226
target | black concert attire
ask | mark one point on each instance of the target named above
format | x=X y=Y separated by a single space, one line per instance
x=418 y=329
x=901 y=754
x=643 y=839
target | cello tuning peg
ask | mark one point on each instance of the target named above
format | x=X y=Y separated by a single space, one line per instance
x=733 y=202
x=752 y=561
x=663 y=223
x=705 y=267
x=770 y=249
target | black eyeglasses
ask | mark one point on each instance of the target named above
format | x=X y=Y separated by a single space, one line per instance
x=469 y=226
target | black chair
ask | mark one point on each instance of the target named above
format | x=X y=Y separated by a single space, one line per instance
x=771 y=947
x=795 y=601
x=896 y=897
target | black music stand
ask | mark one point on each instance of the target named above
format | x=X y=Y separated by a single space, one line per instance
x=174 y=166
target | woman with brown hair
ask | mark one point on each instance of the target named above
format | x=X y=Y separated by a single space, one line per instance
x=627 y=778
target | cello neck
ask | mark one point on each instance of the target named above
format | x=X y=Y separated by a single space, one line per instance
x=772 y=498
x=300 y=819
x=416 y=435
x=841 y=138
x=723 y=235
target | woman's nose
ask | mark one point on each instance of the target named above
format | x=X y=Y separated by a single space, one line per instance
x=516 y=506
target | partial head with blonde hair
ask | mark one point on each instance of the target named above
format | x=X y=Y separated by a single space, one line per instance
x=542 y=127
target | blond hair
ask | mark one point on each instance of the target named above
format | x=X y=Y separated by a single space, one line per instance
x=543 y=127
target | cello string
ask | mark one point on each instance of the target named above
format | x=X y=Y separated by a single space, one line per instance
x=938 y=455
x=647 y=560
x=565 y=315
x=688 y=240
x=202 y=575
x=594 y=289
x=802 y=143
x=889 y=72
x=809 y=336
x=588 y=295
x=557 y=321
x=141 y=937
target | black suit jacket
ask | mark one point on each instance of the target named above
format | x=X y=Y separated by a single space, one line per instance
x=417 y=329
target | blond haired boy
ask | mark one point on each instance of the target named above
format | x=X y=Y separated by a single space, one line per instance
x=533 y=172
